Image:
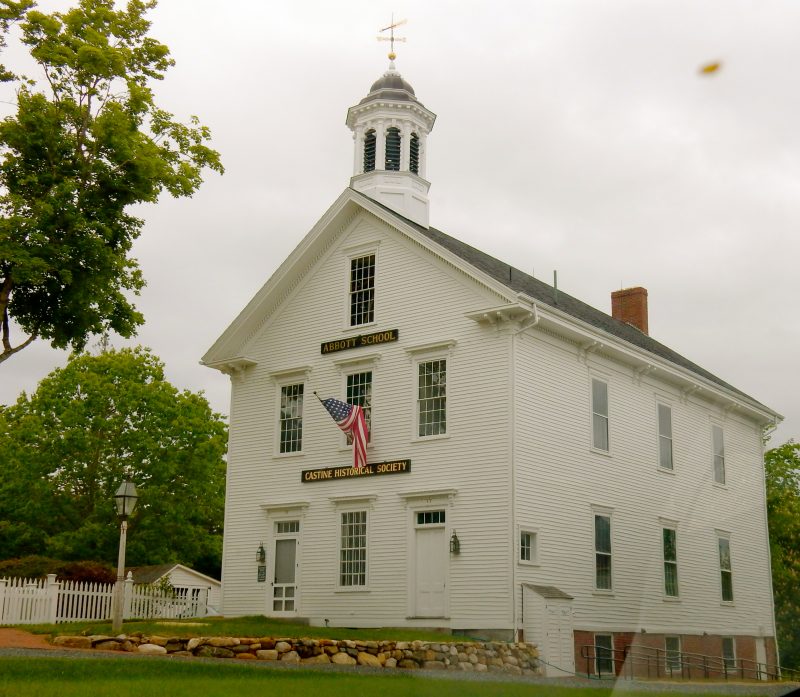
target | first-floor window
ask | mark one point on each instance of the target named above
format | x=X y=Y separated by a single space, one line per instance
x=672 y=644
x=291 y=418
x=353 y=549
x=527 y=546
x=670 y=547
x=725 y=569
x=432 y=398
x=359 y=391
x=602 y=552
x=729 y=653
x=604 y=653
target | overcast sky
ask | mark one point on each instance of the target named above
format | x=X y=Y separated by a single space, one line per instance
x=574 y=135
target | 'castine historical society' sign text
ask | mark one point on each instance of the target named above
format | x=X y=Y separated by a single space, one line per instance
x=369 y=470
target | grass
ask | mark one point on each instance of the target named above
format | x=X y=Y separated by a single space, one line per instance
x=256 y=626
x=130 y=677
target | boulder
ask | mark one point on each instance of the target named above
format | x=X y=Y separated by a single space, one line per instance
x=283 y=646
x=290 y=657
x=208 y=651
x=343 y=659
x=267 y=655
x=247 y=656
x=73 y=642
x=223 y=641
x=319 y=658
x=367 y=659
x=152 y=649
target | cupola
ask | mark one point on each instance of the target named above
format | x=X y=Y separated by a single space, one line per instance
x=390 y=130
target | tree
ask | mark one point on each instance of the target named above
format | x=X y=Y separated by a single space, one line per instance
x=782 y=465
x=87 y=143
x=89 y=425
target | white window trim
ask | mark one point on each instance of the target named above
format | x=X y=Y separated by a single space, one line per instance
x=350 y=367
x=669 y=525
x=604 y=379
x=426 y=354
x=723 y=484
x=609 y=513
x=594 y=642
x=350 y=505
x=724 y=535
x=355 y=252
x=722 y=653
x=662 y=403
x=286 y=378
x=535 y=553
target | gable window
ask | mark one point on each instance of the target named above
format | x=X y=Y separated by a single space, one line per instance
x=718 y=444
x=353 y=549
x=672 y=647
x=528 y=551
x=413 y=164
x=599 y=414
x=362 y=290
x=670 y=549
x=359 y=391
x=725 y=569
x=432 y=398
x=602 y=552
x=392 y=149
x=291 y=418
x=604 y=653
x=369 y=150
x=664 y=436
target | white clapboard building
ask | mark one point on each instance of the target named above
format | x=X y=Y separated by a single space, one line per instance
x=538 y=468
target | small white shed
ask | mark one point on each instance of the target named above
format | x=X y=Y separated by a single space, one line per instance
x=182 y=578
x=547 y=622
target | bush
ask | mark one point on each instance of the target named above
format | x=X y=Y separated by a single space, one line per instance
x=38 y=567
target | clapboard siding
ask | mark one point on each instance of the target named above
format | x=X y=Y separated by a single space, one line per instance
x=559 y=479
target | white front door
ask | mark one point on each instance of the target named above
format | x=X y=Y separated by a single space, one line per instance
x=431 y=557
x=560 y=648
x=284 y=569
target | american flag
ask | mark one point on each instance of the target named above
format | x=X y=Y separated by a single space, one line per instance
x=350 y=418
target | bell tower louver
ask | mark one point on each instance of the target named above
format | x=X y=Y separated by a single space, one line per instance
x=390 y=130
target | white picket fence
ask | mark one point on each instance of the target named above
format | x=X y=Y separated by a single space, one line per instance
x=48 y=601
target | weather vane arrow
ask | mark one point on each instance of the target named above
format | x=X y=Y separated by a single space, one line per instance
x=392 y=38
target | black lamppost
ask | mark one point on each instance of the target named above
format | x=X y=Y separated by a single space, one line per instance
x=125 y=500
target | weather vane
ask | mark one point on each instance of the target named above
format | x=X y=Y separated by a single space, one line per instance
x=391 y=36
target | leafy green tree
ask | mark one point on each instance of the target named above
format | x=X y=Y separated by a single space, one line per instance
x=90 y=425
x=782 y=466
x=86 y=144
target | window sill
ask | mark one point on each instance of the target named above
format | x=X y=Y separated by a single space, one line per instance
x=727 y=603
x=354 y=589
x=603 y=593
x=598 y=451
x=523 y=562
x=359 y=327
x=720 y=485
x=671 y=598
x=281 y=456
x=665 y=470
x=427 y=439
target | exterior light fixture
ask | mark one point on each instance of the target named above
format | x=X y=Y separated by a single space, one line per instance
x=455 y=544
x=261 y=554
x=125 y=501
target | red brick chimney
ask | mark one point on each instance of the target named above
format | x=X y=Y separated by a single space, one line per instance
x=630 y=305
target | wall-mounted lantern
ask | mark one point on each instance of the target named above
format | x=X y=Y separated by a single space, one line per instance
x=455 y=544
x=261 y=554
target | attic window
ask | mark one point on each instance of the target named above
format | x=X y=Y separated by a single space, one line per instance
x=393 y=149
x=414 y=154
x=369 y=151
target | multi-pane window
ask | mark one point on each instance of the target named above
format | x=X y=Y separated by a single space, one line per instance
x=602 y=552
x=393 y=149
x=413 y=164
x=353 y=549
x=599 y=414
x=725 y=569
x=432 y=398
x=430 y=518
x=287 y=527
x=369 y=151
x=362 y=290
x=729 y=653
x=664 y=436
x=291 y=418
x=670 y=547
x=672 y=646
x=359 y=391
x=527 y=546
x=718 y=444
x=604 y=654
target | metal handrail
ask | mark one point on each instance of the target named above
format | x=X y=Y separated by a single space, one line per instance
x=660 y=663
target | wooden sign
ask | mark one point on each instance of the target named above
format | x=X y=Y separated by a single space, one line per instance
x=352 y=342
x=369 y=470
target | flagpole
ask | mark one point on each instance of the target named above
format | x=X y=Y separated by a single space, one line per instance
x=318 y=397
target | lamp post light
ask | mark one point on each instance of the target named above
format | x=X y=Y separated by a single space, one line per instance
x=125 y=500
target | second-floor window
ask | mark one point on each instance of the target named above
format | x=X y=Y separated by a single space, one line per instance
x=359 y=391
x=362 y=290
x=670 y=547
x=718 y=444
x=725 y=569
x=602 y=552
x=599 y=414
x=432 y=398
x=291 y=418
x=664 y=436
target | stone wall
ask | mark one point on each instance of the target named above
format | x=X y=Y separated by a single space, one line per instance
x=494 y=657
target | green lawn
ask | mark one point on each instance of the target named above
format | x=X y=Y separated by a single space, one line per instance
x=256 y=626
x=131 y=677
